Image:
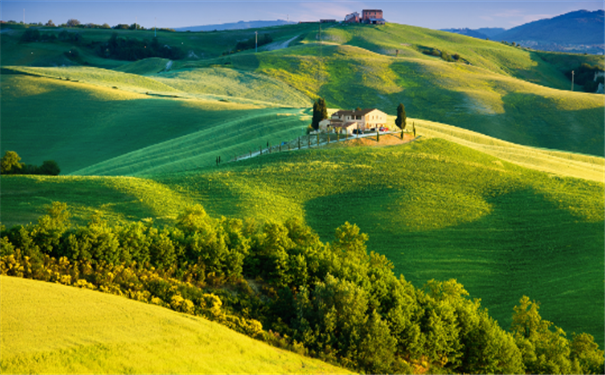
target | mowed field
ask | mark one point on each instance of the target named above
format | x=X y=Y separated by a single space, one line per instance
x=126 y=124
x=42 y=332
x=437 y=209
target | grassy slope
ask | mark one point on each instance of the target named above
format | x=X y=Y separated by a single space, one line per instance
x=485 y=97
x=200 y=45
x=439 y=210
x=436 y=209
x=41 y=333
x=470 y=97
x=37 y=125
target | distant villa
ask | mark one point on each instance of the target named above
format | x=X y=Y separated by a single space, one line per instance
x=368 y=16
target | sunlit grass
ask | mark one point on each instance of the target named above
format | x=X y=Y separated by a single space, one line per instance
x=112 y=123
x=435 y=208
x=42 y=332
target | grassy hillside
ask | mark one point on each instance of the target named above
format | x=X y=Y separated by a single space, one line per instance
x=466 y=96
x=196 y=45
x=436 y=209
x=153 y=109
x=41 y=333
x=118 y=114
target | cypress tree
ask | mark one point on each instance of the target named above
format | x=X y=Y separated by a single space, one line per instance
x=323 y=109
x=401 y=118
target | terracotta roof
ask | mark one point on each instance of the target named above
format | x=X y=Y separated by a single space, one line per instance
x=363 y=112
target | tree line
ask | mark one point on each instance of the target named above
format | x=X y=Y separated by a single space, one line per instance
x=133 y=49
x=585 y=75
x=278 y=282
x=11 y=164
x=74 y=23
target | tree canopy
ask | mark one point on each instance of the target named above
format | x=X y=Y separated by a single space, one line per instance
x=10 y=163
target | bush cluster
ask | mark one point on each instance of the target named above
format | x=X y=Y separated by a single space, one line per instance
x=439 y=53
x=585 y=76
x=132 y=49
x=11 y=165
x=334 y=301
x=34 y=35
x=251 y=43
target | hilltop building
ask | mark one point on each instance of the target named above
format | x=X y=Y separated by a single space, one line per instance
x=347 y=121
x=372 y=16
x=369 y=16
x=352 y=18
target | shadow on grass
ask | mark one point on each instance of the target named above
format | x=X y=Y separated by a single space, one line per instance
x=526 y=246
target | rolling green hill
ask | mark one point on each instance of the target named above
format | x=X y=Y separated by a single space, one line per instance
x=454 y=204
x=466 y=96
x=509 y=93
x=436 y=209
x=42 y=333
x=121 y=116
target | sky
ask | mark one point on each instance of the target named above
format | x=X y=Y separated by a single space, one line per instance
x=433 y=14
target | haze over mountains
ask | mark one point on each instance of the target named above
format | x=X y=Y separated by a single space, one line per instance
x=579 y=31
x=236 y=25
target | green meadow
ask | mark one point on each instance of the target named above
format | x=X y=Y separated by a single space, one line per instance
x=503 y=190
x=43 y=333
x=435 y=208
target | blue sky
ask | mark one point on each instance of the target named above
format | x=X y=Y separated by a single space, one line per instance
x=428 y=13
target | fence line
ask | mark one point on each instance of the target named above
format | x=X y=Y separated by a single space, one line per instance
x=300 y=145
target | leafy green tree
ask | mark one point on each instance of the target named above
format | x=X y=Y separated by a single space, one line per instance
x=50 y=228
x=30 y=35
x=135 y=242
x=72 y=22
x=162 y=250
x=400 y=121
x=377 y=348
x=50 y=23
x=545 y=351
x=50 y=167
x=10 y=163
x=585 y=355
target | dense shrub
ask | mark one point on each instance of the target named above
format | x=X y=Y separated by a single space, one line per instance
x=252 y=43
x=585 y=76
x=134 y=49
x=11 y=165
x=334 y=301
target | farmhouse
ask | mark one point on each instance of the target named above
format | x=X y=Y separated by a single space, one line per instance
x=372 y=16
x=369 y=16
x=348 y=121
x=352 y=18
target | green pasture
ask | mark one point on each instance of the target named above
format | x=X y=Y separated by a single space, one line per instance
x=435 y=208
x=43 y=333
x=196 y=45
x=41 y=121
x=465 y=96
x=438 y=210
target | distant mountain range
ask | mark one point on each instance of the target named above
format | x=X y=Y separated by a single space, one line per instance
x=236 y=25
x=579 y=31
x=483 y=33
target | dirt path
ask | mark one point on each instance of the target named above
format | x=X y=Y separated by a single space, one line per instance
x=277 y=45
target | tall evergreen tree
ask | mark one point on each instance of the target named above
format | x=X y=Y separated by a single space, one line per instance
x=401 y=118
x=320 y=112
